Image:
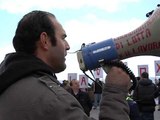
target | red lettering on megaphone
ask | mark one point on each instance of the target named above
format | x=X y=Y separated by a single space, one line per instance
x=141 y=49
x=148 y=33
x=139 y=36
x=149 y=47
x=119 y=45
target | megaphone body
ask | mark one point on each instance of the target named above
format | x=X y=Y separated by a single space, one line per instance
x=145 y=40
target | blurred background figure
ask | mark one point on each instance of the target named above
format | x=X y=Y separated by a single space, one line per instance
x=134 y=113
x=144 y=95
x=65 y=85
x=97 y=88
x=158 y=94
x=138 y=78
x=81 y=96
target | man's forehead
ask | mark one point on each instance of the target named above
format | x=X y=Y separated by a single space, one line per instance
x=75 y=81
x=57 y=25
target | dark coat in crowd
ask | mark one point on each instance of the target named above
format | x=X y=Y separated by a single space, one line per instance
x=134 y=111
x=144 y=95
x=84 y=100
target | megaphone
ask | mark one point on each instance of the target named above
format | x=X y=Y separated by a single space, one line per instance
x=145 y=40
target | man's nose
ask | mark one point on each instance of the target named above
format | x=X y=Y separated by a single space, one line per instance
x=67 y=46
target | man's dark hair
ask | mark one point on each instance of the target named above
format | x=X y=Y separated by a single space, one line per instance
x=145 y=75
x=71 y=82
x=65 y=82
x=29 y=29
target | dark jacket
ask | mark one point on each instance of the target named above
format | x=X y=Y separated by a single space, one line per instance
x=144 y=95
x=134 y=111
x=30 y=91
x=84 y=99
x=97 y=87
x=157 y=94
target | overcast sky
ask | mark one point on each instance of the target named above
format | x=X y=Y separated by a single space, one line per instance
x=85 y=21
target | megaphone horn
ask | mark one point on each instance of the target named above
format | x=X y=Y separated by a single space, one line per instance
x=144 y=40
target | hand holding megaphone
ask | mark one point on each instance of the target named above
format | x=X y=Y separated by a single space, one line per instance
x=107 y=66
x=123 y=80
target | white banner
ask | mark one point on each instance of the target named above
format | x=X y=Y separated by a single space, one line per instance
x=157 y=67
x=72 y=76
x=98 y=73
x=83 y=81
x=142 y=68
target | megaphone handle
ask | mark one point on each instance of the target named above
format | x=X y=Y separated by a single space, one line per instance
x=107 y=66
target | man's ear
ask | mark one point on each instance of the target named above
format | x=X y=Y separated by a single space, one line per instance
x=44 y=41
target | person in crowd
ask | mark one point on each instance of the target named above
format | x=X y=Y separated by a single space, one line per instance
x=29 y=89
x=138 y=78
x=97 y=88
x=158 y=94
x=65 y=85
x=134 y=113
x=144 y=95
x=81 y=96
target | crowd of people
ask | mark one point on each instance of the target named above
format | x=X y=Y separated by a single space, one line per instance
x=30 y=90
x=141 y=101
x=88 y=97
